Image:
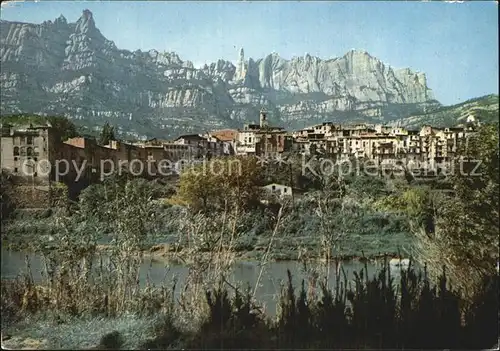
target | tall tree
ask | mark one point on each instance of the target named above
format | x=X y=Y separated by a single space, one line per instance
x=236 y=180
x=63 y=126
x=465 y=239
x=6 y=204
x=107 y=134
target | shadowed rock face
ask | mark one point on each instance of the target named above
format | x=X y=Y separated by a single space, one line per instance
x=72 y=69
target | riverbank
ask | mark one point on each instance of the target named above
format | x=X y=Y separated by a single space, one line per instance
x=229 y=322
x=291 y=243
x=356 y=225
x=263 y=278
x=171 y=253
x=40 y=332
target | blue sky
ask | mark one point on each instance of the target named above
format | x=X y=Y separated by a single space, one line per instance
x=455 y=44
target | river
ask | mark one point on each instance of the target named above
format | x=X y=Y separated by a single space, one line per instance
x=244 y=273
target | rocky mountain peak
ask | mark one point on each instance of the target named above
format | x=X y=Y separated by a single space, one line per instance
x=240 y=66
x=85 y=23
x=71 y=69
x=359 y=55
x=60 y=20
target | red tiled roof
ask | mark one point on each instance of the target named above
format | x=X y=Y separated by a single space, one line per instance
x=225 y=134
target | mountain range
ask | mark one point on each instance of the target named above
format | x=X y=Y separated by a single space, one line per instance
x=71 y=69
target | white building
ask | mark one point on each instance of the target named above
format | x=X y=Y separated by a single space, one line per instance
x=247 y=140
x=278 y=190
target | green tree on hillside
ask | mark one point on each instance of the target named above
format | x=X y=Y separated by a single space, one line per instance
x=63 y=127
x=363 y=186
x=466 y=239
x=107 y=134
x=6 y=204
x=417 y=203
x=290 y=173
x=235 y=180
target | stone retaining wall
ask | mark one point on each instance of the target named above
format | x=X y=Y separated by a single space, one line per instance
x=36 y=196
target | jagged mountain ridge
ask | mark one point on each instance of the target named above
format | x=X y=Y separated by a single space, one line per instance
x=484 y=109
x=71 y=69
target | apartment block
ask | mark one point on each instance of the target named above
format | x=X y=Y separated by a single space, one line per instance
x=387 y=145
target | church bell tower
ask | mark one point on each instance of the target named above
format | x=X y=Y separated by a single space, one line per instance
x=263 y=118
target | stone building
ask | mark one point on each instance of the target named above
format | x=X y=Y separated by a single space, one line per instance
x=429 y=148
x=262 y=139
x=28 y=151
x=83 y=153
x=229 y=138
x=272 y=143
x=103 y=160
x=175 y=152
x=202 y=145
x=28 y=154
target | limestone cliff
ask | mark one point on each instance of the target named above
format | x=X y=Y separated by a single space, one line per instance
x=71 y=69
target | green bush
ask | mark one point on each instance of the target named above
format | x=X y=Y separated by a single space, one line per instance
x=372 y=313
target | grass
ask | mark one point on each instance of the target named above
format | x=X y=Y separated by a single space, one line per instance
x=373 y=312
x=82 y=287
x=347 y=226
x=372 y=233
x=84 y=333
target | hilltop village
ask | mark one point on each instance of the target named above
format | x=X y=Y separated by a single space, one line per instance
x=29 y=154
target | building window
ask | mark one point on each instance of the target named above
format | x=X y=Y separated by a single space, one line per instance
x=16 y=151
x=15 y=170
x=284 y=190
x=16 y=158
x=274 y=187
x=29 y=151
x=29 y=140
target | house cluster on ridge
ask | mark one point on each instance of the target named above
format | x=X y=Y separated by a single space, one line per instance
x=28 y=151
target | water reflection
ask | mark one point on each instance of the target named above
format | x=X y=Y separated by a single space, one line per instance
x=244 y=274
